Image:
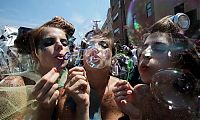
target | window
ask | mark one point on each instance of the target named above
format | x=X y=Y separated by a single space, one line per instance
x=117 y=30
x=119 y=3
x=115 y=17
x=149 y=9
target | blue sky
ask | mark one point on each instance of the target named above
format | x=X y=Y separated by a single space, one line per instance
x=33 y=13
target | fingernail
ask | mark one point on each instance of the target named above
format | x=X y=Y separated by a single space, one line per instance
x=129 y=92
x=123 y=101
x=55 y=70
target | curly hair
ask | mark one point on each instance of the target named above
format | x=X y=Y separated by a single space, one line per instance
x=28 y=42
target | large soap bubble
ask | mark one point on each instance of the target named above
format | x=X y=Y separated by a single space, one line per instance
x=137 y=21
x=96 y=56
x=176 y=89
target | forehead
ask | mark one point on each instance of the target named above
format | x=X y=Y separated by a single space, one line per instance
x=158 y=38
x=98 y=39
x=52 y=32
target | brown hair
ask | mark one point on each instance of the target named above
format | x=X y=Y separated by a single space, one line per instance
x=29 y=41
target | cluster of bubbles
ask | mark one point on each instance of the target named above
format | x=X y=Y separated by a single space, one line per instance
x=93 y=56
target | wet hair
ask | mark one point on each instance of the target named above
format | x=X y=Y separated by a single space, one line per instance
x=29 y=41
x=187 y=57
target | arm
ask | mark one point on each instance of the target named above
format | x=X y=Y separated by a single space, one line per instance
x=78 y=88
x=46 y=93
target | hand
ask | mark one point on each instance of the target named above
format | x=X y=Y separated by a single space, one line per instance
x=78 y=87
x=45 y=91
x=124 y=97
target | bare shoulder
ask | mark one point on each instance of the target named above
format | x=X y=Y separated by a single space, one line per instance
x=14 y=81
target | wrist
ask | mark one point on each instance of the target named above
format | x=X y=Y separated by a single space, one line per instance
x=82 y=112
x=135 y=116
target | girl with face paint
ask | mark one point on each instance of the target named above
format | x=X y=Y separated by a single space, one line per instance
x=48 y=45
x=164 y=48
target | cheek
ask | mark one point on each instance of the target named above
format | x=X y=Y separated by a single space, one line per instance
x=44 y=55
x=163 y=63
x=66 y=49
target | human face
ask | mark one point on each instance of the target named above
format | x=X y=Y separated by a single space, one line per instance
x=98 y=49
x=154 y=56
x=51 y=49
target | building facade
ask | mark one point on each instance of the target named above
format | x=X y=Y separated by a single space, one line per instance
x=147 y=12
x=152 y=10
x=108 y=23
x=118 y=14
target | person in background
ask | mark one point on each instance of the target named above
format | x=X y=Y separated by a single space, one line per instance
x=164 y=48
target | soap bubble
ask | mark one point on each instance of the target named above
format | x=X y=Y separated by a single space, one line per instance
x=175 y=89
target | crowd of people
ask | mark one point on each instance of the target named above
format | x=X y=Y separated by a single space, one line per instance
x=104 y=85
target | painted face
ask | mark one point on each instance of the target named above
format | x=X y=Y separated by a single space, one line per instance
x=154 y=56
x=51 y=48
x=98 y=53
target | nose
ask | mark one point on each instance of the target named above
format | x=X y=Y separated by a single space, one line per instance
x=94 y=51
x=59 y=45
x=147 y=53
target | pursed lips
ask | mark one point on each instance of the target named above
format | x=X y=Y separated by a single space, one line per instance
x=59 y=56
x=144 y=65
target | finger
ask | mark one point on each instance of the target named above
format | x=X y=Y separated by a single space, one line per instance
x=121 y=82
x=45 y=78
x=120 y=98
x=52 y=75
x=120 y=93
x=54 y=97
x=36 y=89
x=49 y=83
x=75 y=79
x=80 y=69
x=80 y=85
x=43 y=95
x=74 y=73
x=120 y=88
